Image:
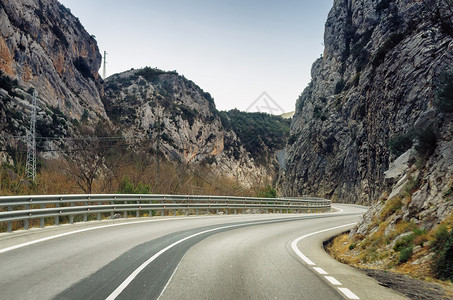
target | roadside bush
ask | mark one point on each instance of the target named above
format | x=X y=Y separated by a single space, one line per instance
x=443 y=249
x=404 y=243
x=127 y=187
x=400 y=143
x=267 y=192
x=391 y=206
x=444 y=93
x=405 y=254
x=426 y=141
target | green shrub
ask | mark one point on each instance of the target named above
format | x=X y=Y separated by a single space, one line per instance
x=404 y=243
x=267 y=192
x=426 y=141
x=127 y=187
x=412 y=185
x=85 y=115
x=443 y=249
x=400 y=144
x=292 y=139
x=383 y=4
x=444 y=93
x=405 y=254
x=391 y=206
x=339 y=87
x=352 y=246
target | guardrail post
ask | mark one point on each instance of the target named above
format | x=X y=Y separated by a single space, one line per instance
x=9 y=224
x=26 y=221
x=41 y=220
x=71 y=217
x=137 y=213
x=112 y=213
x=99 y=214
x=125 y=212
x=85 y=215
x=235 y=211
x=57 y=218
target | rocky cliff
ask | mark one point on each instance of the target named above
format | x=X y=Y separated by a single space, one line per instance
x=375 y=84
x=181 y=121
x=44 y=46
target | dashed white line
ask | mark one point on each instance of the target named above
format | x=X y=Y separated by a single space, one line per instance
x=320 y=271
x=349 y=294
x=332 y=280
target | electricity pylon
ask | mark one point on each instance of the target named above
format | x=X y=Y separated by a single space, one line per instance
x=31 y=143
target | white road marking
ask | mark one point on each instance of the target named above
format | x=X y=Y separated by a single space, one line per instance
x=349 y=294
x=339 y=209
x=332 y=280
x=81 y=230
x=300 y=254
x=320 y=271
x=134 y=274
x=95 y=228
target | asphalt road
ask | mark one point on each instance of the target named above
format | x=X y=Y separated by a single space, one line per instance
x=207 y=257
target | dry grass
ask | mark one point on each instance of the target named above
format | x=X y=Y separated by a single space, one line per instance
x=54 y=177
x=374 y=251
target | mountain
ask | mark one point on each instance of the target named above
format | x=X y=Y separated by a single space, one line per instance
x=182 y=121
x=375 y=127
x=377 y=80
x=44 y=48
x=43 y=45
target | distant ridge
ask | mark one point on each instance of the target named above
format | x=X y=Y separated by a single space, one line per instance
x=287 y=115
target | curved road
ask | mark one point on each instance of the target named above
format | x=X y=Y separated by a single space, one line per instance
x=209 y=257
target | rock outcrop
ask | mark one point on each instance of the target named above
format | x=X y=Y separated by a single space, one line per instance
x=180 y=120
x=376 y=81
x=44 y=46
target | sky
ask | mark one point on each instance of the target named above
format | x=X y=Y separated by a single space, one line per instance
x=234 y=49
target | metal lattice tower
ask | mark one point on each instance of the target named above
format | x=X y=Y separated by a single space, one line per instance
x=104 y=70
x=31 y=143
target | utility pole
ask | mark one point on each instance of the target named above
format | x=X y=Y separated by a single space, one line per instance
x=158 y=152
x=104 y=70
x=31 y=143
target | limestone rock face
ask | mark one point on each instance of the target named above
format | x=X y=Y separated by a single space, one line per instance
x=180 y=120
x=44 y=46
x=377 y=79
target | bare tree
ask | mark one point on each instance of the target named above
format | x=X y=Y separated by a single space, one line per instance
x=87 y=155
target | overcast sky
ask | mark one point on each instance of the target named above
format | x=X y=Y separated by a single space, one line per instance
x=233 y=49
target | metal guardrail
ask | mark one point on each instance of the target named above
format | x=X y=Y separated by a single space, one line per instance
x=26 y=208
